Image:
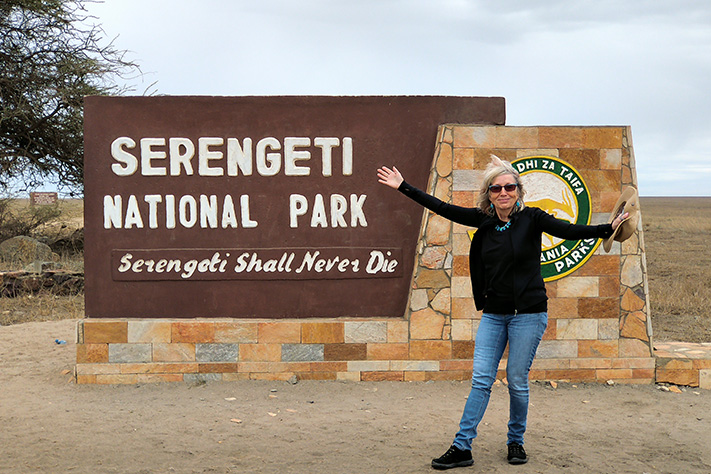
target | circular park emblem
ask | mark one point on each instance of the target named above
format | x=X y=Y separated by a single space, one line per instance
x=556 y=187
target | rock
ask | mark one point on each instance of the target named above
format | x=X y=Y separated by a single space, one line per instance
x=73 y=243
x=293 y=380
x=25 y=250
x=39 y=266
x=14 y=284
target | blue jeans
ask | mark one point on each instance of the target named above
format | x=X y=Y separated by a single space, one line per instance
x=523 y=333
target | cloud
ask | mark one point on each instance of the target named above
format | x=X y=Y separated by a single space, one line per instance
x=642 y=63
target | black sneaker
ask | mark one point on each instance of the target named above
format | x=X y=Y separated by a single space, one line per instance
x=517 y=455
x=454 y=457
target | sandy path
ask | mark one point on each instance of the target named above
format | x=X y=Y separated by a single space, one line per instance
x=52 y=425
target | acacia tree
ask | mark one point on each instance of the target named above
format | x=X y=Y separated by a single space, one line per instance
x=51 y=56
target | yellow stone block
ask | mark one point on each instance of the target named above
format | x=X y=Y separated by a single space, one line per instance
x=594 y=363
x=705 y=379
x=96 y=369
x=463 y=159
x=634 y=348
x=176 y=352
x=279 y=332
x=474 y=136
x=517 y=137
x=426 y=324
x=193 y=331
x=526 y=152
x=442 y=190
x=602 y=137
x=598 y=349
x=97 y=332
x=583 y=159
x=678 y=377
x=576 y=287
x=463 y=308
x=560 y=137
x=438 y=231
x=634 y=363
x=461 y=244
x=236 y=332
x=322 y=333
x=92 y=353
x=602 y=180
x=674 y=364
x=634 y=325
x=260 y=352
x=576 y=329
x=562 y=308
x=631 y=274
x=378 y=351
x=86 y=379
x=599 y=308
x=414 y=376
x=149 y=331
x=462 y=329
x=430 y=350
x=461 y=287
x=611 y=158
x=444 y=160
x=613 y=374
x=398 y=331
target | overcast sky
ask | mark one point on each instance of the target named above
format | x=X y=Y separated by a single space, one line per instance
x=643 y=63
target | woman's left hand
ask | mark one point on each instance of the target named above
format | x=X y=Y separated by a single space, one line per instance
x=390 y=177
x=618 y=220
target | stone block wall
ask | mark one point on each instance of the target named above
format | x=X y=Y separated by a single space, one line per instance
x=599 y=327
x=599 y=316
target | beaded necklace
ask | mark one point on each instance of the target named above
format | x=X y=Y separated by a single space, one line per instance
x=502 y=228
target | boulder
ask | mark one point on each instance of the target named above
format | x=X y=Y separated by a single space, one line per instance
x=25 y=250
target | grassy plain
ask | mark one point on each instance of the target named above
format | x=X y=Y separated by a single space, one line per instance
x=677 y=235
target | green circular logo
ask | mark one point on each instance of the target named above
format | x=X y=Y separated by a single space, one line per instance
x=556 y=187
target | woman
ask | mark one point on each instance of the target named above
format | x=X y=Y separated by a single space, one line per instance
x=504 y=263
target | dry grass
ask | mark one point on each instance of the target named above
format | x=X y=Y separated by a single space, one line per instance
x=40 y=307
x=70 y=219
x=45 y=306
x=677 y=234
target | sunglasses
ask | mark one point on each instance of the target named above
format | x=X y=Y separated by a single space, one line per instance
x=496 y=188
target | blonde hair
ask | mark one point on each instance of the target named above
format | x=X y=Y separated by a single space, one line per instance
x=493 y=170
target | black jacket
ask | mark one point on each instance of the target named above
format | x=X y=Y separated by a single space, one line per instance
x=527 y=226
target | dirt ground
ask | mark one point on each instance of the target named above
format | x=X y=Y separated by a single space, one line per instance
x=52 y=425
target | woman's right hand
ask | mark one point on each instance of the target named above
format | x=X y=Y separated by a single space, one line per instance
x=390 y=177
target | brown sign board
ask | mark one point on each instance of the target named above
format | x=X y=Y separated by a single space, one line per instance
x=257 y=207
x=43 y=198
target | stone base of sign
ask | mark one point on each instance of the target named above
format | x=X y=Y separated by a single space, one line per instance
x=133 y=351
x=599 y=326
x=683 y=363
